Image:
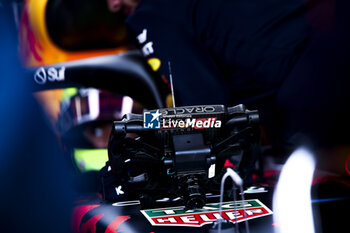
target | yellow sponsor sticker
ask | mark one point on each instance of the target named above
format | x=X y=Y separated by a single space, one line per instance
x=154 y=63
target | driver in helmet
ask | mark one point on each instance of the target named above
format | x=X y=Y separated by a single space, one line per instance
x=84 y=125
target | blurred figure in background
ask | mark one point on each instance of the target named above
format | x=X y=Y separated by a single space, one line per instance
x=36 y=192
x=288 y=59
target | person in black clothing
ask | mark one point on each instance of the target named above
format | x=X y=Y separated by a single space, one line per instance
x=288 y=59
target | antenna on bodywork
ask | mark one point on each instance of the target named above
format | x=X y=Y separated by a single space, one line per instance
x=171 y=84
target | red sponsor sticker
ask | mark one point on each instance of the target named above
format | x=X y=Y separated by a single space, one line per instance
x=178 y=216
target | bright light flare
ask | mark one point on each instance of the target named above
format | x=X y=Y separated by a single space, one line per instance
x=292 y=198
x=126 y=105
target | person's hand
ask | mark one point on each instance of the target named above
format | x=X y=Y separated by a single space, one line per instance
x=128 y=6
x=115 y=5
